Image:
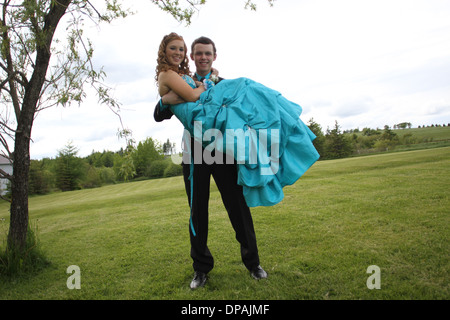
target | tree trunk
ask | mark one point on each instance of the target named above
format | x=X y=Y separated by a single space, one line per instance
x=18 y=228
x=21 y=160
x=19 y=189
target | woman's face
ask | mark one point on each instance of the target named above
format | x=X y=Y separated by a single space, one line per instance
x=175 y=52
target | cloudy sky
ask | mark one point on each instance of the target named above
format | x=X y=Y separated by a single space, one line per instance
x=364 y=63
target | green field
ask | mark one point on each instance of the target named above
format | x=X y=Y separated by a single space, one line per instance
x=131 y=240
x=422 y=138
x=435 y=133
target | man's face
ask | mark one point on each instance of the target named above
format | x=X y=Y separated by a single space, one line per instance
x=203 y=56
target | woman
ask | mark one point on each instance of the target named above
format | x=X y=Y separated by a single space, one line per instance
x=245 y=119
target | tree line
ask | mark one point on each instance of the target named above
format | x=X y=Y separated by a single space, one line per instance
x=335 y=143
x=69 y=172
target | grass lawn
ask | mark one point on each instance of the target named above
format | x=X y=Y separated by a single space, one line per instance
x=131 y=240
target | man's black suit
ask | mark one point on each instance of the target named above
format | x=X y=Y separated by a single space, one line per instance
x=225 y=177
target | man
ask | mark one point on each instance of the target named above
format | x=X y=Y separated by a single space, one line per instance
x=203 y=53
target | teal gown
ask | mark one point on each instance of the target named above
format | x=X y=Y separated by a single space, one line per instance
x=260 y=128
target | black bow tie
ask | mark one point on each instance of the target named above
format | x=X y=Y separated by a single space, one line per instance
x=201 y=78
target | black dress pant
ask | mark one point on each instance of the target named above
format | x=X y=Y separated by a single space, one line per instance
x=225 y=176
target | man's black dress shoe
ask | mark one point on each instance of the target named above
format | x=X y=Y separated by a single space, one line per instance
x=198 y=281
x=258 y=273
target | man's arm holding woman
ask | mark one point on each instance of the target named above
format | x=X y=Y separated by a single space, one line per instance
x=169 y=98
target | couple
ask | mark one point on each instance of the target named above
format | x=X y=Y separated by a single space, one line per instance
x=252 y=112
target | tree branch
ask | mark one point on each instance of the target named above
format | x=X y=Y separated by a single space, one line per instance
x=5 y=175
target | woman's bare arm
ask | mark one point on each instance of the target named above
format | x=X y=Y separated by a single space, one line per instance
x=170 y=80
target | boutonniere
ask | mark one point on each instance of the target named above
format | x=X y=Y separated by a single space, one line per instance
x=214 y=78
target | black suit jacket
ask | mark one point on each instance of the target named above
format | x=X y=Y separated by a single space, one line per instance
x=166 y=114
